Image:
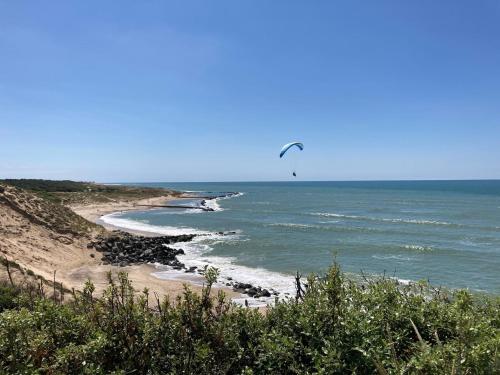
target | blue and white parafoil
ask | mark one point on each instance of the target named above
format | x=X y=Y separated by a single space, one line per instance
x=286 y=147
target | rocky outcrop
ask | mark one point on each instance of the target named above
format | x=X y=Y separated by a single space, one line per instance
x=123 y=249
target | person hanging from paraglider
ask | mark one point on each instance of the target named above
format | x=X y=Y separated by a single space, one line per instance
x=286 y=147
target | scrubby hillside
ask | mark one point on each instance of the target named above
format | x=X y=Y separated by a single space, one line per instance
x=75 y=192
x=52 y=216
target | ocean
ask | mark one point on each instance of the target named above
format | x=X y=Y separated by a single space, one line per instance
x=446 y=232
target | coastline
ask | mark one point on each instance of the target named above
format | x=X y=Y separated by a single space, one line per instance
x=142 y=275
x=239 y=289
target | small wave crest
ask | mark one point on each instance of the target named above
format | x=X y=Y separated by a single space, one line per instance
x=392 y=257
x=395 y=220
x=291 y=225
x=418 y=248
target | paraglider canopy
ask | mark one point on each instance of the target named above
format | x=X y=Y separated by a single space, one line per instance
x=286 y=147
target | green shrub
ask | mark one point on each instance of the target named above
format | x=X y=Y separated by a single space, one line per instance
x=8 y=296
x=336 y=327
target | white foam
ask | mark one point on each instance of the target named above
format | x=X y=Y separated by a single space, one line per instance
x=214 y=202
x=115 y=220
x=403 y=281
x=197 y=253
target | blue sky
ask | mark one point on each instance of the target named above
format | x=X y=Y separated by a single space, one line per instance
x=210 y=90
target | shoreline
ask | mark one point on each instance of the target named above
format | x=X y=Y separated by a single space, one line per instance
x=143 y=275
x=240 y=291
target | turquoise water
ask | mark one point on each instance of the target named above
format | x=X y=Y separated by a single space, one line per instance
x=445 y=231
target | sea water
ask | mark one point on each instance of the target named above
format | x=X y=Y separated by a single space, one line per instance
x=446 y=232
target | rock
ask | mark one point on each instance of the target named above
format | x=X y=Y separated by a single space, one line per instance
x=124 y=248
x=252 y=292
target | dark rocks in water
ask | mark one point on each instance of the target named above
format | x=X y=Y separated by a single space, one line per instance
x=250 y=290
x=266 y=293
x=123 y=249
x=226 y=233
x=241 y=286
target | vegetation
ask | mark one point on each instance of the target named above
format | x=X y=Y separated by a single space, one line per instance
x=74 y=192
x=334 y=326
x=46 y=213
x=48 y=185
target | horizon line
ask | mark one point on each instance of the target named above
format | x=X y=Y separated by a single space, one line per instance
x=247 y=181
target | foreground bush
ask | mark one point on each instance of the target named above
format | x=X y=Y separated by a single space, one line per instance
x=334 y=327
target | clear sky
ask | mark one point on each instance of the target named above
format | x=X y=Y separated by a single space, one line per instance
x=210 y=90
